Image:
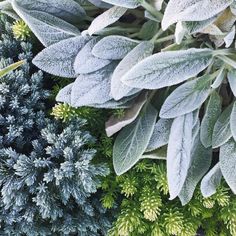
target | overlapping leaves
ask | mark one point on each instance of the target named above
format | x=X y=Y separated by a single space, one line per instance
x=191 y=107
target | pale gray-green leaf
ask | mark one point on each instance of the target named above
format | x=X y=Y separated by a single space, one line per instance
x=222 y=132
x=118 y=89
x=158 y=154
x=228 y=163
x=212 y=113
x=200 y=164
x=179 y=153
x=124 y=3
x=67 y=10
x=47 y=28
x=132 y=141
x=105 y=19
x=115 y=124
x=86 y=62
x=64 y=94
x=233 y=121
x=93 y=87
x=211 y=181
x=232 y=80
x=192 y=10
x=160 y=136
x=58 y=59
x=99 y=3
x=168 y=68
x=114 y=47
x=219 y=79
x=186 y=98
x=197 y=26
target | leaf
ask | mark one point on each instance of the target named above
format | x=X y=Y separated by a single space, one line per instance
x=180 y=32
x=222 y=132
x=157 y=4
x=211 y=181
x=197 y=26
x=160 y=136
x=212 y=113
x=228 y=163
x=99 y=3
x=200 y=164
x=148 y=30
x=192 y=10
x=113 y=47
x=64 y=94
x=219 y=79
x=179 y=153
x=47 y=28
x=107 y=18
x=67 y=10
x=86 y=62
x=168 y=68
x=132 y=141
x=233 y=121
x=158 y=154
x=118 y=89
x=58 y=59
x=92 y=88
x=112 y=104
x=124 y=3
x=11 y=67
x=232 y=80
x=115 y=124
x=186 y=98
x=229 y=38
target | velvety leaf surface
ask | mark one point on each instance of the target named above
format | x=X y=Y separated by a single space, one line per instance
x=168 y=68
x=132 y=141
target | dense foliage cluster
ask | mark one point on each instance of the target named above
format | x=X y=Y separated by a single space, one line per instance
x=48 y=181
x=146 y=210
x=168 y=69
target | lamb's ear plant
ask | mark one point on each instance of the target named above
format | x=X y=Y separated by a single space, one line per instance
x=187 y=72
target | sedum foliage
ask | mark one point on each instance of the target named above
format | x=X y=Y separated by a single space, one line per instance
x=146 y=210
x=49 y=176
x=169 y=64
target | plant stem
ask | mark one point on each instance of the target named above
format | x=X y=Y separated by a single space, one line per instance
x=164 y=39
x=227 y=60
x=152 y=10
x=155 y=37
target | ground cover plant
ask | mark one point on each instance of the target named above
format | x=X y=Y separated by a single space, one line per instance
x=168 y=70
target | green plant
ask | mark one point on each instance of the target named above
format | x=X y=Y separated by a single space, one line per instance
x=176 y=83
x=146 y=210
